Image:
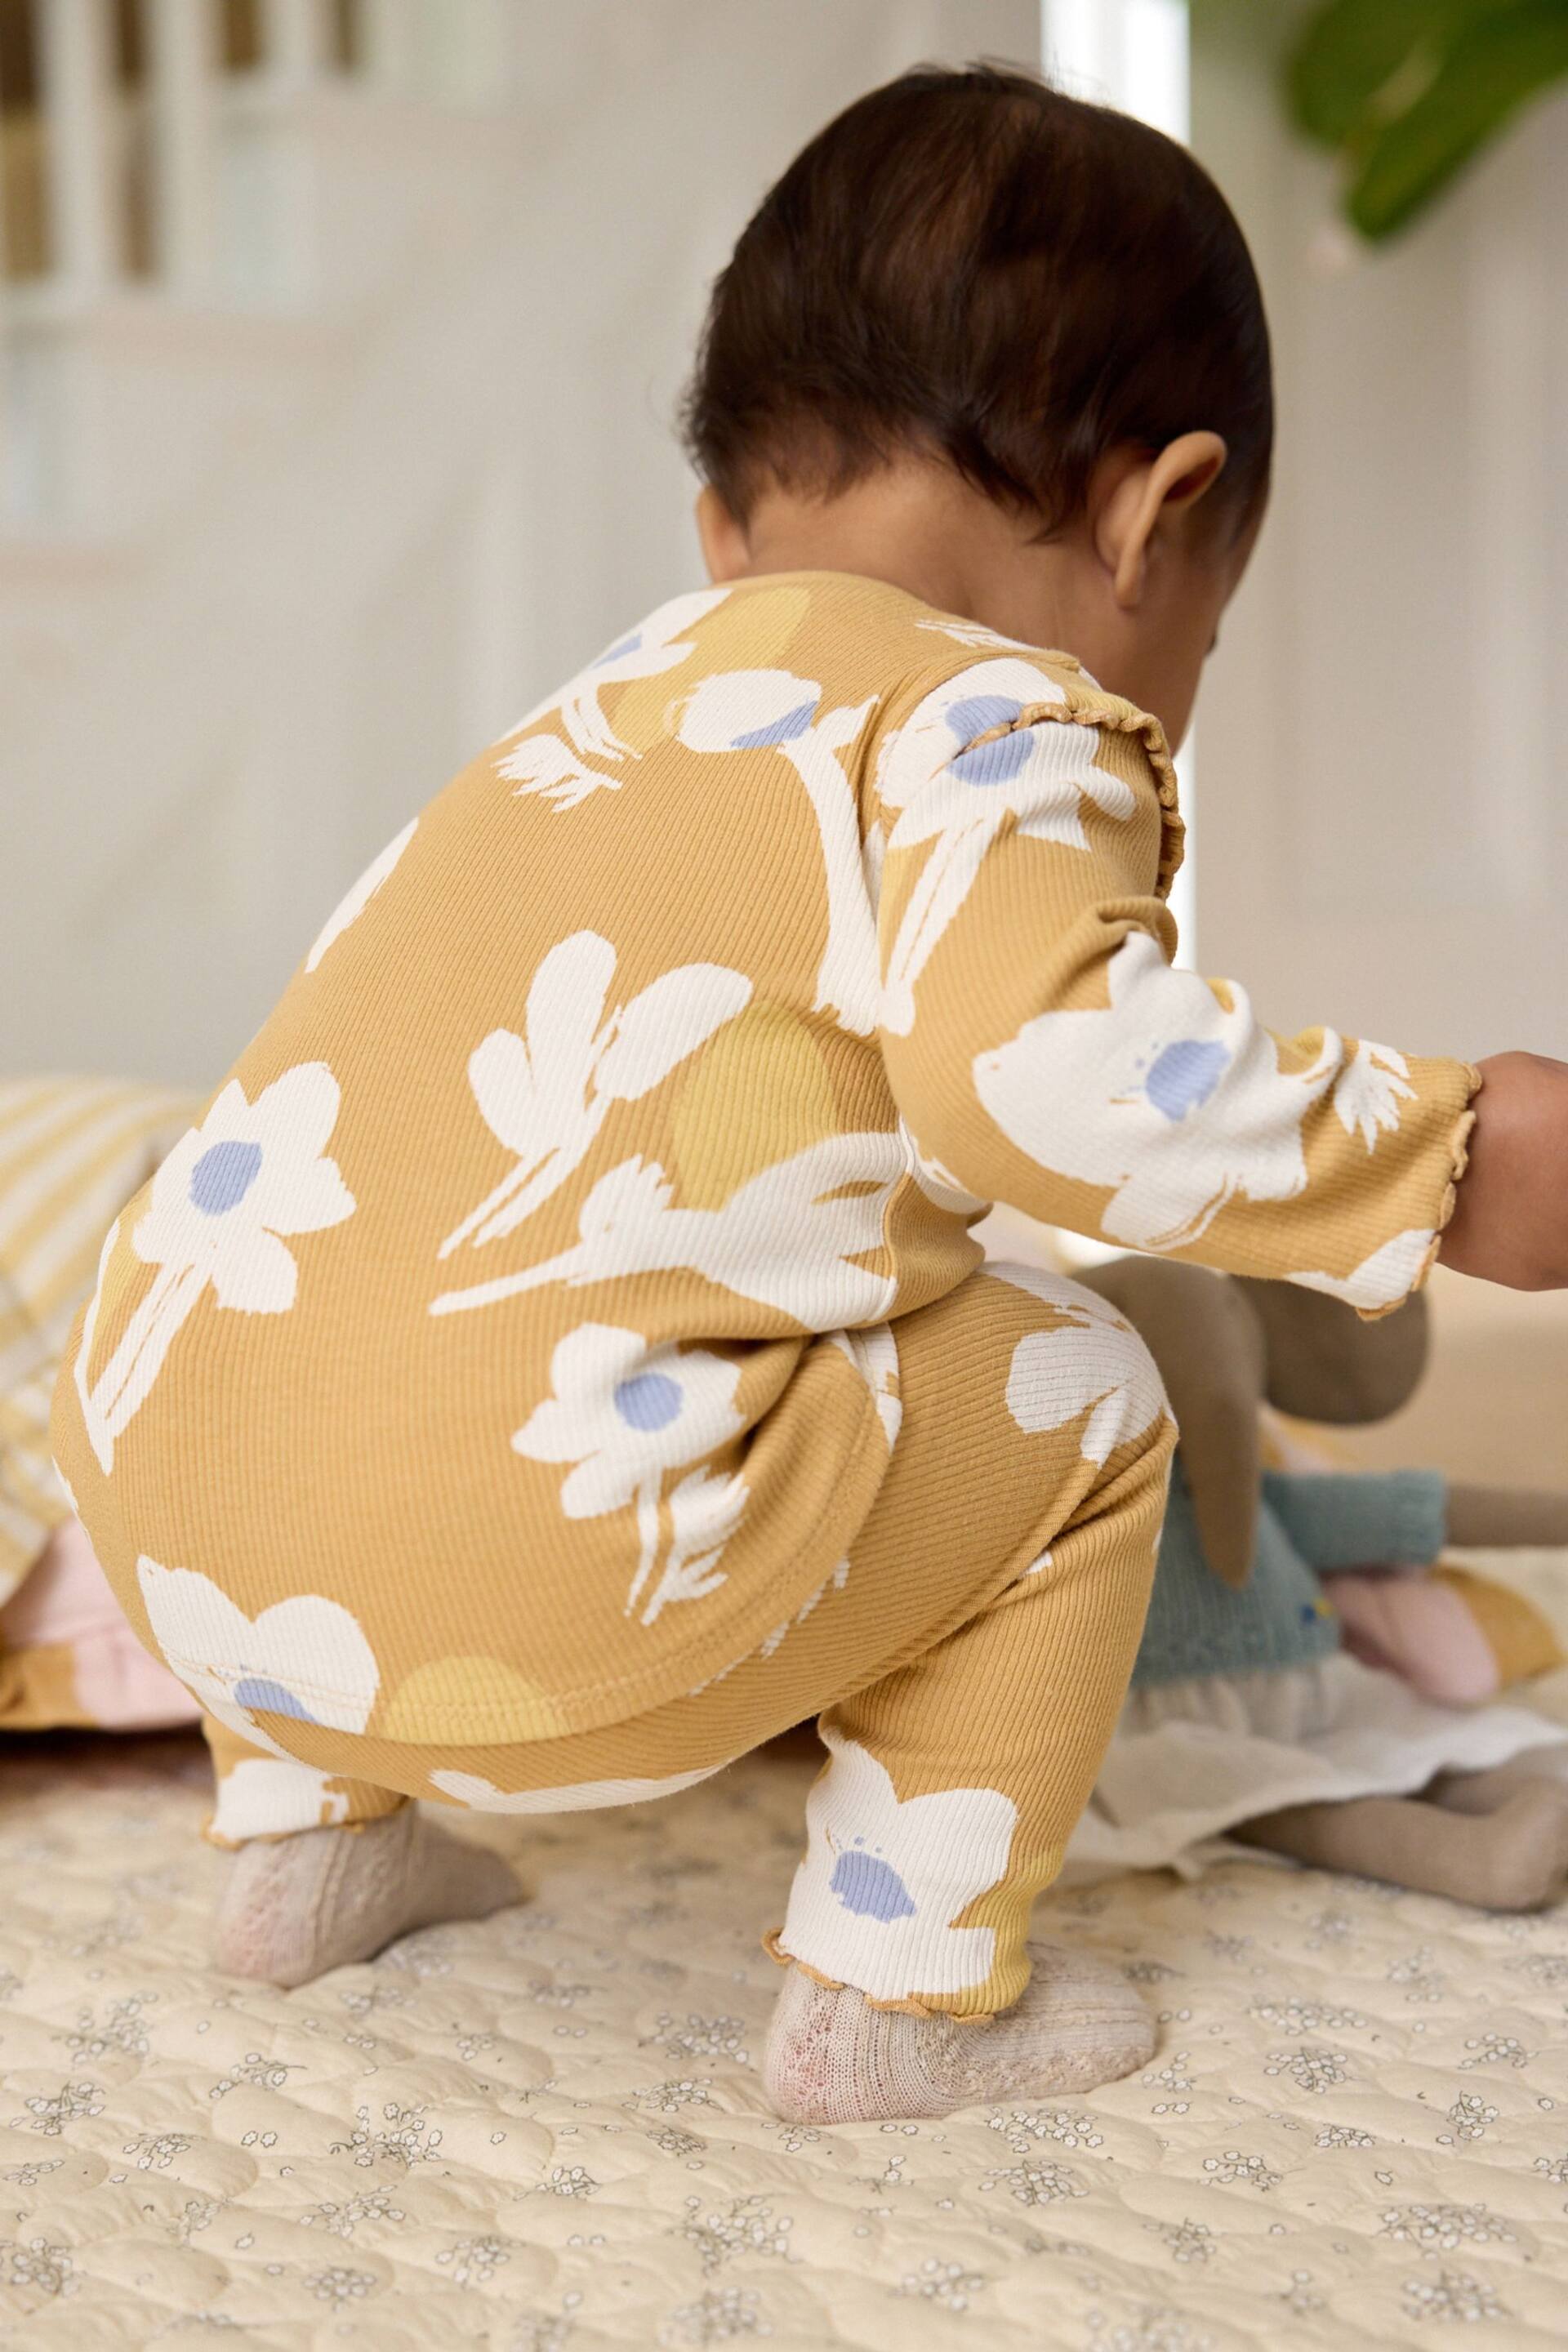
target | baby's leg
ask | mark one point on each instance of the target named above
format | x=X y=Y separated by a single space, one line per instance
x=328 y=1869
x=956 y=1779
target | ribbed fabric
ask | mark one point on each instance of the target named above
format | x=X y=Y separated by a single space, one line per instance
x=966 y=1680
x=515 y=1343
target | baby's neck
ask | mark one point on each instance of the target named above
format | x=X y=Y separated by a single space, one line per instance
x=919 y=527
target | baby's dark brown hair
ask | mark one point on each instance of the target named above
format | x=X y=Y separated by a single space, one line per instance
x=972 y=264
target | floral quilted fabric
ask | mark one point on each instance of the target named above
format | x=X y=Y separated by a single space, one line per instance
x=547 y=2133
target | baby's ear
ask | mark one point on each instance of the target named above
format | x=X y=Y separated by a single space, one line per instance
x=1325 y=1363
x=1203 y=1336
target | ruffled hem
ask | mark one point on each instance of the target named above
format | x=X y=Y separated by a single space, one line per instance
x=1109 y=713
x=1238 y=1747
x=909 y=2006
x=1458 y=1160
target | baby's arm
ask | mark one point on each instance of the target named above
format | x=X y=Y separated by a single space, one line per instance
x=1044 y=1051
x=1510 y=1213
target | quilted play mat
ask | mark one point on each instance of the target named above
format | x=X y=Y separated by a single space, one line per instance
x=546 y=2133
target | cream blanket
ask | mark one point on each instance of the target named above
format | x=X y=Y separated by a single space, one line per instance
x=547 y=2133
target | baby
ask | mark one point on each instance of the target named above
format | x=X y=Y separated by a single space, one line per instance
x=559 y=1360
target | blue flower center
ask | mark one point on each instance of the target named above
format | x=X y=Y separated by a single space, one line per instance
x=778 y=731
x=223 y=1176
x=978 y=713
x=1184 y=1075
x=618 y=652
x=996 y=763
x=649 y=1401
x=869 y=1886
x=261 y=1693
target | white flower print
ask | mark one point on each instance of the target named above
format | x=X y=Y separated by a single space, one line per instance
x=1090 y=1361
x=559 y=770
x=874 y=1352
x=547 y=1094
x=306 y=1658
x=265 y=1796
x=958 y=793
x=705 y=1510
x=1381 y=1280
x=939 y=1186
x=578 y=1797
x=1178 y=1101
x=1370 y=1089
x=547 y=767
x=217 y=1210
x=623 y=1413
x=875 y=1897
x=786 y=1238
x=352 y=906
x=754 y=709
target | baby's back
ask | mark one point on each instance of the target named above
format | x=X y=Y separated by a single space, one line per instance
x=507 y=1251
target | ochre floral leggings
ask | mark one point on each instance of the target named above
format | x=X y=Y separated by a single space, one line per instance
x=967 y=1663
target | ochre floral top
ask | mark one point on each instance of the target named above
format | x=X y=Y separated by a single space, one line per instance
x=518 y=1310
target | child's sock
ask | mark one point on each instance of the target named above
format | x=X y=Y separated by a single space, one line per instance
x=296 y=1906
x=832 y=2058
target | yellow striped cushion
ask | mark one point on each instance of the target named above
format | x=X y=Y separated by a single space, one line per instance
x=72 y=1153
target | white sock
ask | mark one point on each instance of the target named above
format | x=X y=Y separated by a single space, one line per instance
x=832 y=2058
x=296 y=1906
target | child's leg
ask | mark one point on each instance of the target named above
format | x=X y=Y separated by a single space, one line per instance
x=331 y=1869
x=953 y=1789
x=1032 y=1417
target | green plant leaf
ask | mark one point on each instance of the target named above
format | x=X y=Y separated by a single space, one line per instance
x=1499 y=60
x=1351 y=49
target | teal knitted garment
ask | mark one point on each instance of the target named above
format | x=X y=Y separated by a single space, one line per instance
x=1196 y=1625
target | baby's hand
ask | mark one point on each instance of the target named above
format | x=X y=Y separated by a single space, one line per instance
x=1510 y=1216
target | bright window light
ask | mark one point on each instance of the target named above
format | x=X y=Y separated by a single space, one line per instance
x=1134 y=54
x=1130 y=53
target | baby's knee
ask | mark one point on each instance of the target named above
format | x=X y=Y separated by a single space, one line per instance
x=1086 y=1358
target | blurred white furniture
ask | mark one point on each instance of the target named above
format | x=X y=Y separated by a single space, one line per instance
x=340 y=343
x=338 y=426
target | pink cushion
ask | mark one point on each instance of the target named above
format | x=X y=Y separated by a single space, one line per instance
x=66 y=1602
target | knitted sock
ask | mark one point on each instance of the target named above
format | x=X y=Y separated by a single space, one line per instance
x=832 y=2058
x=296 y=1906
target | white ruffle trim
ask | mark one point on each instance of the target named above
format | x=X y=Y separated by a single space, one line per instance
x=1191 y=1759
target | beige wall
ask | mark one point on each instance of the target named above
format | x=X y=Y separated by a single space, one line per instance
x=1383 y=812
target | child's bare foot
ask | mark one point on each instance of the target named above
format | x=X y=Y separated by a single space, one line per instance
x=296 y=1906
x=832 y=2058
